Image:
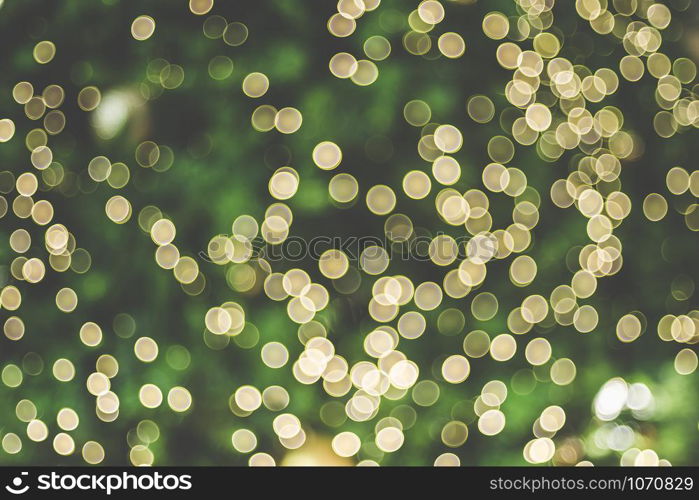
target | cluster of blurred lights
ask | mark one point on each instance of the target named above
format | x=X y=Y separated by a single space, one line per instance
x=557 y=105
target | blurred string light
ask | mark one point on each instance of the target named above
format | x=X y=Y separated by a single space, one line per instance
x=556 y=105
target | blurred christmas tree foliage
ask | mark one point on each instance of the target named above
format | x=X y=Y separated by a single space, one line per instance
x=551 y=144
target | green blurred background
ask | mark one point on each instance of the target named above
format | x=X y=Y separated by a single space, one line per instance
x=220 y=170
